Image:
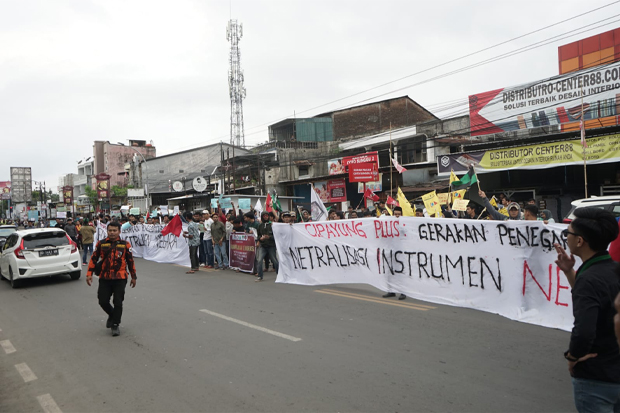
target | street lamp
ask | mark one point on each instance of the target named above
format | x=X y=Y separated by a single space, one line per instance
x=146 y=168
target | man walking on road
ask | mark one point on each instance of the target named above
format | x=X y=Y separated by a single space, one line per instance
x=117 y=259
x=71 y=230
x=593 y=355
x=88 y=237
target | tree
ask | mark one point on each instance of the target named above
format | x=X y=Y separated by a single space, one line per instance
x=92 y=195
x=119 y=192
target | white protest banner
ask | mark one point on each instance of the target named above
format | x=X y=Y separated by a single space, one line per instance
x=101 y=232
x=502 y=267
x=148 y=243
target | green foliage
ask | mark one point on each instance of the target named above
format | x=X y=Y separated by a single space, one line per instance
x=119 y=192
x=92 y=195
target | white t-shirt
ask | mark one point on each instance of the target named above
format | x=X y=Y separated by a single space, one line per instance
x=208 y=224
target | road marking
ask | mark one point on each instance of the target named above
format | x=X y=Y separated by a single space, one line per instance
x=419 y=307
x=48 y=404
x=255 y=327
x=25 y=372
x=7 y=346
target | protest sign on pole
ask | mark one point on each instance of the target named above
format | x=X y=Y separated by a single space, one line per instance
x=502 y=267
x=242 y=251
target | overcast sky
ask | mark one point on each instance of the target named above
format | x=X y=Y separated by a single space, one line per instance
x=75 y=71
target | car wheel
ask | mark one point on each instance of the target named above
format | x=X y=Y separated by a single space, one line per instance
x=75 y=275
x=14 y=283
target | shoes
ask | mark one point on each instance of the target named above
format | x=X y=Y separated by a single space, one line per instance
x=84 y=263
x=258 y=280
x=402 y=297
x=209 y=266
x=108 y=324
x=115 y=330
x=388 y=295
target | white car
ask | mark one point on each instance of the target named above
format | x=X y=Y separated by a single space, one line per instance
x=39 y=252
x=609 y=203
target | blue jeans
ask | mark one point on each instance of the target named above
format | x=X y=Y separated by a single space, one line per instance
x=592 y=396
x=87 y=247
x=273 y=257
x=221 y=255
x=208 y=243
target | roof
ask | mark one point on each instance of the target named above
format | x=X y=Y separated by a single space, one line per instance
x=374 y=103
x=200 y=147
x=384 y=137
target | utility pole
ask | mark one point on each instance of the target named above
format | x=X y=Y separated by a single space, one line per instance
x=234 y=33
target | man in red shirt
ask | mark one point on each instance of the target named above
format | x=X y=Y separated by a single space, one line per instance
x=116 y=258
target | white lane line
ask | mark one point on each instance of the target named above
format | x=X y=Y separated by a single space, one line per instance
x=7 y=346
x=255 y=327
x=48 y=404
x=25 y=372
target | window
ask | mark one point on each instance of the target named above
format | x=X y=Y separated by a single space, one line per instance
x=304 y=170
x=44 y=239
x=412 y=152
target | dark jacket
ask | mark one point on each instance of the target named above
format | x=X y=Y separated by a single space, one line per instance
x=265 y=228
x=596 y=287
x=71 y=230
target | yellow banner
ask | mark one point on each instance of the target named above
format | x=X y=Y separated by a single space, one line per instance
x=599 y=149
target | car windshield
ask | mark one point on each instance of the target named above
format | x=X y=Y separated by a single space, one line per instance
x=5 y=232
x=45 y=239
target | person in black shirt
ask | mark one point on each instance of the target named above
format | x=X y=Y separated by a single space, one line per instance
x=265 y=245
x=593 y=355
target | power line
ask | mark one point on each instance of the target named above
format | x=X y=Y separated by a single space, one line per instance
x=439 y=65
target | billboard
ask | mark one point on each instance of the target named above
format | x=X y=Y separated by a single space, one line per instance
x=602 y=149
x=67 y=195
x=5 y=190
x=103 y=186
x=592 y=95
x=341 y=165
x=21 y=184
x=334 y=190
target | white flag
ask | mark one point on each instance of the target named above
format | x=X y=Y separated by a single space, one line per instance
x=319 y=212
x=398 y=166
x=258 y=208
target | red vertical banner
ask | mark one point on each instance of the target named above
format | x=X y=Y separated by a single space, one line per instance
x=103 y=186
x=67 y=195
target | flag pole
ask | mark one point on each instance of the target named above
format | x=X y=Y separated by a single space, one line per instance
x=391 y=181
x=583 y=145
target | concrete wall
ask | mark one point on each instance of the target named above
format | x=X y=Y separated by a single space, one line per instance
x=376 y=118
x=173 y=167
x=111 y=159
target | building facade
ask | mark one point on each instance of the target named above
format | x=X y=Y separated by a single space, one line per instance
x=112 y=159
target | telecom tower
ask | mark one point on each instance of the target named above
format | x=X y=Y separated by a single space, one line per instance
x=234 y=33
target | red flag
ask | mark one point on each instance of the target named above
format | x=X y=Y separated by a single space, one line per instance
x=391 y=201
x=174 y=227
x=371 y=195
x=268 y=203
x=583 y=134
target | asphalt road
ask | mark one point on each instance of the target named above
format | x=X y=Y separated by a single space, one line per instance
x=267 y=347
